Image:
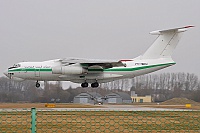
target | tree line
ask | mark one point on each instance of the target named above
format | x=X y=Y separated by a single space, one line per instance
x=25 y=91
x=160 y=86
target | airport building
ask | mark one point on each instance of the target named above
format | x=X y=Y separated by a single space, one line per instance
x=88 y=97
x=140 y=99
x=118 y=97
x=96 y=98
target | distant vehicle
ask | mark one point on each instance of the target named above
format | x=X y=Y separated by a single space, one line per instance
x=95 y=71
x=100 y=101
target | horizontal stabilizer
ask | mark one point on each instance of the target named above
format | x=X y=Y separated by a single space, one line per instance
x=180 y=29
x=165 y=43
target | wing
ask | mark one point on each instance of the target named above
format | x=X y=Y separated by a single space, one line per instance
x=92 y=63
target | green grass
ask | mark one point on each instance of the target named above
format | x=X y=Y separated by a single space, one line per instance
x=102 y=121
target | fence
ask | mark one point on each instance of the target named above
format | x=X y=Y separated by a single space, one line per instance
x=97 y=121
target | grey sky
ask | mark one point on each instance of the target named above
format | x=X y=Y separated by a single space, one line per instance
x=37 y=30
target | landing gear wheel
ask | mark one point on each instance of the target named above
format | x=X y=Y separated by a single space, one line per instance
x=95 y=85
x=37 y=84
x=84 y=85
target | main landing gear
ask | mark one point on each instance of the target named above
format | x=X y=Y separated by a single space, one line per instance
x=84 y=85
x=37 y=84
x=93 y=85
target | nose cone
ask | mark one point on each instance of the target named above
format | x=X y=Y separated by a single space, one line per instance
x=6 y=72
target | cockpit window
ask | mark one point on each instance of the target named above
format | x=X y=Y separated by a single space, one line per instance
x=15 y=66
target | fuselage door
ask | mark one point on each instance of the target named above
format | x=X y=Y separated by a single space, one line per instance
x=37 y=72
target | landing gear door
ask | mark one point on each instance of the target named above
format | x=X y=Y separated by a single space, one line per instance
x=37 y=72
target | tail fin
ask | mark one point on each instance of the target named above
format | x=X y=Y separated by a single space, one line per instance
x=165 y=43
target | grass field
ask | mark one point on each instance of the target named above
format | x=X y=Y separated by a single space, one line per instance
x=19 y=119
x=101 y=121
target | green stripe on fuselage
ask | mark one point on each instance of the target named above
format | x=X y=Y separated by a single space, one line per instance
x=30 y=70
x=137 y=68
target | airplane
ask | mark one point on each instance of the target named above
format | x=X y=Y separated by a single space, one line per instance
x=95 y=71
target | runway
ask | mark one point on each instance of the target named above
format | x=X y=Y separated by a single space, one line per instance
x=116 y=108
x=100 y=108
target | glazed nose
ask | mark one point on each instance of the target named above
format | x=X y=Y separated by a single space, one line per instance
x=6 y=72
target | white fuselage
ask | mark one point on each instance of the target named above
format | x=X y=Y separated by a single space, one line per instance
x=42 y=71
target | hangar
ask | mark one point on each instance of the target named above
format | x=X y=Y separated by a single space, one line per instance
x=87 y=97
x=118 y=97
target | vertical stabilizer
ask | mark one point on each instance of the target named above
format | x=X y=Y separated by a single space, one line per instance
x=165 y=43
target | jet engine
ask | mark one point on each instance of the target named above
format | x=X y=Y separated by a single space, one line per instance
x=68 y=70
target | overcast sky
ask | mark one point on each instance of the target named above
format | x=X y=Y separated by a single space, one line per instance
x=38 y=30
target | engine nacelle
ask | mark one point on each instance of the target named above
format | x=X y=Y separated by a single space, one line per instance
x=68 y=70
